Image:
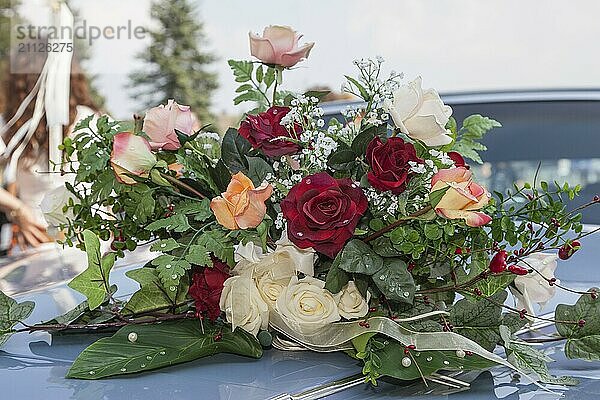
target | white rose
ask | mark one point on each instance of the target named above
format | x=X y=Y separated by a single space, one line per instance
x=306 y=305
x=249 y=252
x=302 y=259
x=52 y=207
x=351 y=304
x=270 y=288
x=533 y=288
x=243 y=305
x=421 y=115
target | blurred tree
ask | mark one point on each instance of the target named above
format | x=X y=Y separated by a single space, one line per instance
x=175 y=62
x=8 y=16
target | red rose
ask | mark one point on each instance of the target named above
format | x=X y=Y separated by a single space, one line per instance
x=459 y=161
x=389 y=164
x=206 y=288
x=322 y=212
x=264 y=131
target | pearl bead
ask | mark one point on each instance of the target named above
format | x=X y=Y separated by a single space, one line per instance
x=132 y=337
x=460 y=354
x=406 y=362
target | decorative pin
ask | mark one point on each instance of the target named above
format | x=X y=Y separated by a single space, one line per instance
x=132 y=337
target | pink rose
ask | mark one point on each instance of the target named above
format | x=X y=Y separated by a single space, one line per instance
x=131 y=155
x=462 y=198
x=279 y=45
x=160 y=124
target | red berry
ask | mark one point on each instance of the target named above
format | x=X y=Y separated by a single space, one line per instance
x=552 y=281
x=364 y=324
x=518 y=270
x=468 y=250
x=594 y=295
x=522 y=313
x=568 y=249
x=458 y=250
x=411 y=266
x=581 y=323
x=406 y=352
x=478 y=292
x=218 y=337
x=597 y=198
x=498 y=263
x=372 y=309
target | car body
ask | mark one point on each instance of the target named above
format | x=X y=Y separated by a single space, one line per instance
x=550 y=126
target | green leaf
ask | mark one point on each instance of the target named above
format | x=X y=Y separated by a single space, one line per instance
x=362 y=140
x=342 y=160
x=117 y=355
x=11 y=313
x=170 y=270
x=151 y=295
x=269 y=77
x=436 y=196
x=479 y=320
x=363 y=92
x=219 y=244
x=176 y=223
x=259 y=73
x=582 y=342
x=258 y=169
x=71 y=315
x=93 y=282
x=358 y=257
x=234 y=150
x=199 y=209
x=476 y=126
x=165 y=245
x=394 y=281
x=336 y=277
x=198 y=255
x=425 y=363
x=242 y=70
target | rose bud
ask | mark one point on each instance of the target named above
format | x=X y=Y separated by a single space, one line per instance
x=518 y=270
x=265 y=132
x=462 y=198
x=279 y=46
x=160 y=124
x=242 y=205
x=389 y=164
x=568 y=249
x=498 y=263
x=459 y=161
x=322 y=212
x=421 y=115
x=131 y=155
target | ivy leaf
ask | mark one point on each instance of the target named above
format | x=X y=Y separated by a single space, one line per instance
x=362 y=140
x=395 y=281
x=337 y=278
x=358 y=257
x=234 y=150
x=582 y=342
x=12 y=313
x=93 y=282
x=152 y=294
x=198 y=255
x=117 y=355
x=479 y=320
x=342 y=160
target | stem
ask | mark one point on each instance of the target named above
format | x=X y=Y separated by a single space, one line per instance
x=274 y=90
x=182 y=185
x=396 y=224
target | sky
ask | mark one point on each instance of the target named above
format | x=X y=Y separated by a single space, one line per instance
x=455 y=45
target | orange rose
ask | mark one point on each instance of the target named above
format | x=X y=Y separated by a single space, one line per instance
x=241 y=206
x=462 y=198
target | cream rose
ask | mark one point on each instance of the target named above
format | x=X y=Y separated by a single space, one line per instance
x=243 y=304
x=351 y=304
x=533 y=288
x=52 y=207
x=420 y=114
x=306 y=305
x=271 y=288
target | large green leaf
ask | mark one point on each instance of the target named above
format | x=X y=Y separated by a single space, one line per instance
x=479 y=320
x=234 y=150
x=358 y=257
x=582 y=341
x=152 y=295
x=337 y=278
x=11 y=313
x=424 y=363
x=93 y=282
x=258 y=169
x=395 y=281
x=159 y=345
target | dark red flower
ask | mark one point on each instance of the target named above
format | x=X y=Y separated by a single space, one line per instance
x=459 y=161
x=264 y=132
x=389 y=164
x=207 y=286
x=322 y=212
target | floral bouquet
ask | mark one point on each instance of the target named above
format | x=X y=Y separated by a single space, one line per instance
x=368 y=235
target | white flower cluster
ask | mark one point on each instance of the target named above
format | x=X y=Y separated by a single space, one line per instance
x=381 y=204
x=443 y=157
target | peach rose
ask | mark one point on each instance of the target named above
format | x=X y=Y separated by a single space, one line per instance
x=160 y=124
x=131 y=155
x=242 y=205
x=279 y=45
x=462 y=198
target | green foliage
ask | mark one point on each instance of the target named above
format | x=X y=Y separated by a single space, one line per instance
x=358 y=257
x=582 y=341
x=159 y=345
x=234 y=150
x=467 y=138
x=93 y=282
x=152 y=295
x=336 y=278
x=394 y=281
x=175 y=63
x=11 y=313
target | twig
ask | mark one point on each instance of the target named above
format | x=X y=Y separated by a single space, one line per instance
x=396 y=224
